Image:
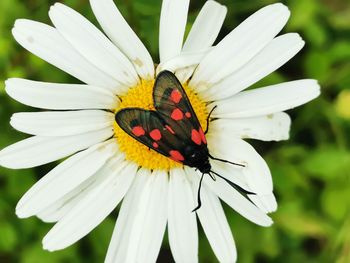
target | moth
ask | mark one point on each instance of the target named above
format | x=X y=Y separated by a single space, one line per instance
x=173 y=129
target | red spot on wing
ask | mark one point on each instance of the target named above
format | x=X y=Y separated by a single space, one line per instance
x=196 y=137
x=155 y=134
x=176 y=156
x=177 y=114
x=201 y=133
x=155 y=145
x=169 y=129
x=176 y=96
x=138 y=131
x=188 y=114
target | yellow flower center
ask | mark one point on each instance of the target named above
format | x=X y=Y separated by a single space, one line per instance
x=140 y=96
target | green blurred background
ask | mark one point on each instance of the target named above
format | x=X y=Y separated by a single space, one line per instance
x=311 y=171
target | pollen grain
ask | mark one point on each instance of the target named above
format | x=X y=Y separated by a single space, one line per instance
x=140 y=96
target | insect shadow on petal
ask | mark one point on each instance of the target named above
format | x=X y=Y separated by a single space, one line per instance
x=173 y=129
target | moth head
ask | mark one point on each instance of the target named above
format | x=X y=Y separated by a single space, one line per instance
x=197 y=157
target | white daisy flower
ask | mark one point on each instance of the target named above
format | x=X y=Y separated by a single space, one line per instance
x=105 y=165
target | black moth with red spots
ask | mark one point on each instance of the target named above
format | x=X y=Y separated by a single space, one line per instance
x=173 y=129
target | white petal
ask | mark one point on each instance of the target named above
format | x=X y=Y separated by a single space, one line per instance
x=38 y=150
x=256 y=173
x=185 y=59
x=61 y=123
x=182 y=224
x=64 y=178
x=239 y=203
x=232 y=174
x=60 y=96
x=47 y=43
x=93 y=208
x=214 y=223
x=62 y=206
x=203 y=33
x=55 y=211
x=242 y=44
x=259 y=181
x=173 y=20
x=118 y=30
x=274 y=55
x=206 y=27
x=266 y=202
x=184 y=74
x=272 y=127
x=141 y=223
x=268 y=100
x=92 y=44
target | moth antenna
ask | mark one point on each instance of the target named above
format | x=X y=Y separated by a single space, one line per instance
x=237 y=187
x=199 y=194
x=206 y=130
x=225 y=161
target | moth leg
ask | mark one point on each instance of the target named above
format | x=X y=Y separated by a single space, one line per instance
x=199 y=194
x=208 y=118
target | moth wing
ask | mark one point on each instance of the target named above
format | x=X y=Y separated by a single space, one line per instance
x=149 y=128
x=172 y=102
x=170 y=98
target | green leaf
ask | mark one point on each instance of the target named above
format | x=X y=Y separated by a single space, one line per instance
x=8 y=237
x=328 y=163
